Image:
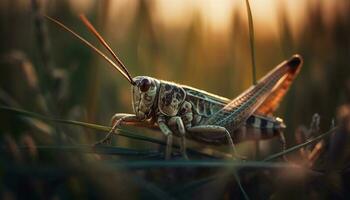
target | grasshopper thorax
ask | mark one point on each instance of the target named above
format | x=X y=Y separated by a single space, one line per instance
x=170 y=98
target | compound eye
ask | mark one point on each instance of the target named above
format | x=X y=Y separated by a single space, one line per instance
x=144 y=85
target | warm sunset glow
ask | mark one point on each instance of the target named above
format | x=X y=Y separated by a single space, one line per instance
x=216 y=16
x=121 y=14
x=173 y=13
x=264 y=16
x=81 y=6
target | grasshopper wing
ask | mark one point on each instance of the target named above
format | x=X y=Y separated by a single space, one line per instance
x=273 y=100
x=263 y=97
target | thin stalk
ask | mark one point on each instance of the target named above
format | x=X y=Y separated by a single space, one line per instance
x=97 y=127
x=296 y=147
x=108 y=150
x=252 y=53
x=231 y=164
x=251 y=39
x=240 y=186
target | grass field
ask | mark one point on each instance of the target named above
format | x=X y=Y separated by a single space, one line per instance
x=57 y=98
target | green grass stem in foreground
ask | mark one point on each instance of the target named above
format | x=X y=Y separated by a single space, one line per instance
x=147 y=139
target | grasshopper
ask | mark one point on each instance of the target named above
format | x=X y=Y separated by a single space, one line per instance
x=187 y=112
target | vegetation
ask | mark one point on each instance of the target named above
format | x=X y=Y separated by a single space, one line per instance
x=57 y=97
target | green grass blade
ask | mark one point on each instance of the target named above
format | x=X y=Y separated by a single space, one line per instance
x=240 y=185
x=198 y=164
x=251 y=39
x=78 y=123
x=252 y=53
x=97 y=127
x=151 y=188
x=109 y=150
x=296 y=147
x=45 y=118
x=193 y=185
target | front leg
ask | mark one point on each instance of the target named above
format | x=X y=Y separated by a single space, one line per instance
x=133 y=121
x=168 y=134
x=211 y=129
x=117 y=120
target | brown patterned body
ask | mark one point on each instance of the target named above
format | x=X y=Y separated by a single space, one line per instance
x=249 y=116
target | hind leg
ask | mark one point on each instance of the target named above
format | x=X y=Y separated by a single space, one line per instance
x=211 y=129
x=284 y=144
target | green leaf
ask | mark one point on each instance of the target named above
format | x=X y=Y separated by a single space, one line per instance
x=122 y=132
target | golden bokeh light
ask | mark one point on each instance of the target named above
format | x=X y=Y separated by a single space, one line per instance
x=216 y=16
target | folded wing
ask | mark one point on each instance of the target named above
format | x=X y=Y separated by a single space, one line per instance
x=262 y=98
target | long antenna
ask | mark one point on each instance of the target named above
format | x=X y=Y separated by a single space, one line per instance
x=127 y=76
x=100 y=38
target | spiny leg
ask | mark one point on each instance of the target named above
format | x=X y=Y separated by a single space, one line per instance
x=283 y=140
x=284 y=144
x=133 y=121
x=219 y=130
x=168 y=134
x=183 y=147
x=107 y=139
x=181 y=128
x=117 y=120
x=169 y=146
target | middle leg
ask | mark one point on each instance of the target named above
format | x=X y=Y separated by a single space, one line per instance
x=177 y=121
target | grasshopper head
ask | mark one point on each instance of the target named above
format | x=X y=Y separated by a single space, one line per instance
x=144 y=93
x=144 y=88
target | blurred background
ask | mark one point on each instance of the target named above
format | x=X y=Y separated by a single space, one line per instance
x=204 y=44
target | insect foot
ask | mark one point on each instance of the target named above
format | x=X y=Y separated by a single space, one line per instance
x=238 y=157
x=106 y=140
